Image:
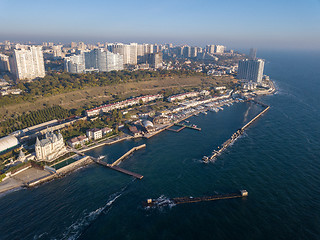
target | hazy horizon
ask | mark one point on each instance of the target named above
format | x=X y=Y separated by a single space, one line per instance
x=238 y=25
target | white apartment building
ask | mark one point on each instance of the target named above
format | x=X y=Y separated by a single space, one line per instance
x=94 y=133
x=27 y=63
x=251 y=70
x=114 y=61
x=220 y=49
x=75 y=63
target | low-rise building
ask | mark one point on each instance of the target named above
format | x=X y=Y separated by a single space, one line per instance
x=94 y=133
x=7 y=143
x=122 y=104
x=162 y=119
x=76 y=141
x=250 y=85
x=148 y=125
x=182 y=96
x=106 y=130
x=134 y=131
x=220 y=88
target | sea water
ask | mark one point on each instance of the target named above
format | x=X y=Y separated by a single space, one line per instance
x=277 y=161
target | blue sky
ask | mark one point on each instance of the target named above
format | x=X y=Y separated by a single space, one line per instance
x=237 y=24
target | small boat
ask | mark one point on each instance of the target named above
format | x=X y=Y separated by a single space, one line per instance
x=101 y=157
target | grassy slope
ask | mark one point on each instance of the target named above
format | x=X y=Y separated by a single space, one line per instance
x=98 y=95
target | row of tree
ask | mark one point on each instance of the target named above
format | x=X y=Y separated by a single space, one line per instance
x=33 y=118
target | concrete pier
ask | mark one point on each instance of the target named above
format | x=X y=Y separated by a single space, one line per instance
x=181 y=200
x=119 y=160
x=136 y=175
x=237 y=134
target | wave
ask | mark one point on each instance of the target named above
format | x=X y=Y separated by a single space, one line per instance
x=75 y=230
x=161 y=202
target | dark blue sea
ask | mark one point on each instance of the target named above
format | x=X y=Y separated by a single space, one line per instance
x=277 y=161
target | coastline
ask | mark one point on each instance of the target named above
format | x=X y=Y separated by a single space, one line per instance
x=87 y=160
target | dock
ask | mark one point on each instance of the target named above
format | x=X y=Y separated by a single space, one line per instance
x=178 y=130
x=188 y=126
x=182 y=200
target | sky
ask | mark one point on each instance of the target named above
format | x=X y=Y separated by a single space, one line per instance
x=263 y=24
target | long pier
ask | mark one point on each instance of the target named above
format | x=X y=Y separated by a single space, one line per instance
x=119 y=160
x=181 y=200
x=237 y=134
x=136 y=175
x=255 y=118
x=113 y=165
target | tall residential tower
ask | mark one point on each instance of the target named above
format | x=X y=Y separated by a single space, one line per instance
x=251 y=70
x=27 y=63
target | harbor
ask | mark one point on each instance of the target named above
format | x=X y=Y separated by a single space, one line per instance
x=114 y=165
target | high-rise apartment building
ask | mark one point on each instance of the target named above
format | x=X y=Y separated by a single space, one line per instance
x=220 y=49
x=4 y=63
x=140 y=50
x=194 y=52
x=75 y=63
x=154 y=59
x=27 y=63
x=210 y=49
x=253 y=53
x=114 y=61
x=187 y=51
x=94 y=60
x=133 y=50
x=251 y=70
x=57 y=50
x=129 y=52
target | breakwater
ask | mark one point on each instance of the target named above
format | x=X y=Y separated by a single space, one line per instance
x=114 y=166
x=235 y=135
x=181 y=200
x=62 y=171
x=120 y=159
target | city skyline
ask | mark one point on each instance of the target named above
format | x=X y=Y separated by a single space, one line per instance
x=242 y=24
